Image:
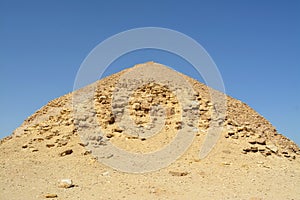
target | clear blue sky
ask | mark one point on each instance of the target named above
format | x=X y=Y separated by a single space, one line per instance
x=255 y=44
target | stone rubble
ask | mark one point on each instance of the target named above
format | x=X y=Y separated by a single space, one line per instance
x=53 y=127
x=55 y=124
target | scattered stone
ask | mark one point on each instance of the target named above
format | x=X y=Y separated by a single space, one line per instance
x=111 y=120
x=84 y=144
x=254 y=149
x=66 y=183
x=66 y=152
x=231 y=132
x=48 y=196
x=46 y=128
x=109 y=156
x=232 y=122
x=261 y=141
x=210 y=104
x=252 y=141
x=136 y=106
x=226 y=163
x=170 y=111
x=241 y=128
x=265 y=166
x=272 y=147
x=105 y=173
x=110 y=135
x=119 y=130
x=190 y=123
x=226 y=151
x=178 y=125
x=235 y=137
x=268 y=153
x=257 y=130
x=34 y=150
x=132 y=137
x=62 y=143
x=56 y=131
x=50 y=145
x=48 y=137
x=38 y=139
x=102 y=98
x=261 y=149
x=175 y=173
x=87 y=152
x=97 y=138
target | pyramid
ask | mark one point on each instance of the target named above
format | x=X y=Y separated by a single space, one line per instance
x=148 y=132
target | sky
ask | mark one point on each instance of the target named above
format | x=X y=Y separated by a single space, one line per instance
x=255 y=45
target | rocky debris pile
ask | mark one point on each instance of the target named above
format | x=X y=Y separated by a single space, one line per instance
x=140 y=107
x=242 y=123
x=55 y=131
x=50 y=138
x=148 y=96
x=55 y=124
x=261 y=139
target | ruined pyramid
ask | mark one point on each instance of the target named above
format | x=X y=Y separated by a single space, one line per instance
x=139 y=134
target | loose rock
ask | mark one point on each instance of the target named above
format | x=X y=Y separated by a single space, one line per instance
x=252 y=141
x=50 y=145
x=254 y=149
x=261 y=141
x=175 y=173
x=66 y=183
x=272 y=147
x=51 y=196
x=66 y=152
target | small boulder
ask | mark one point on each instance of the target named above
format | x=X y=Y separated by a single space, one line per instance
x=235 y=137
x=272 y=147
x=50 y=145
x=48 y=196
x=261 y=141
x=136 y=106
x=231 y=132
x=66 y=152
x=252 y=141
x=118 y=130
x=175 y=173
x=66 y=183
x=254 y=149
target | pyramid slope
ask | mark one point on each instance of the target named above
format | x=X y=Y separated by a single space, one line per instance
x=47 y=148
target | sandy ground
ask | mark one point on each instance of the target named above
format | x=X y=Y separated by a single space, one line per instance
x=225 y=174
